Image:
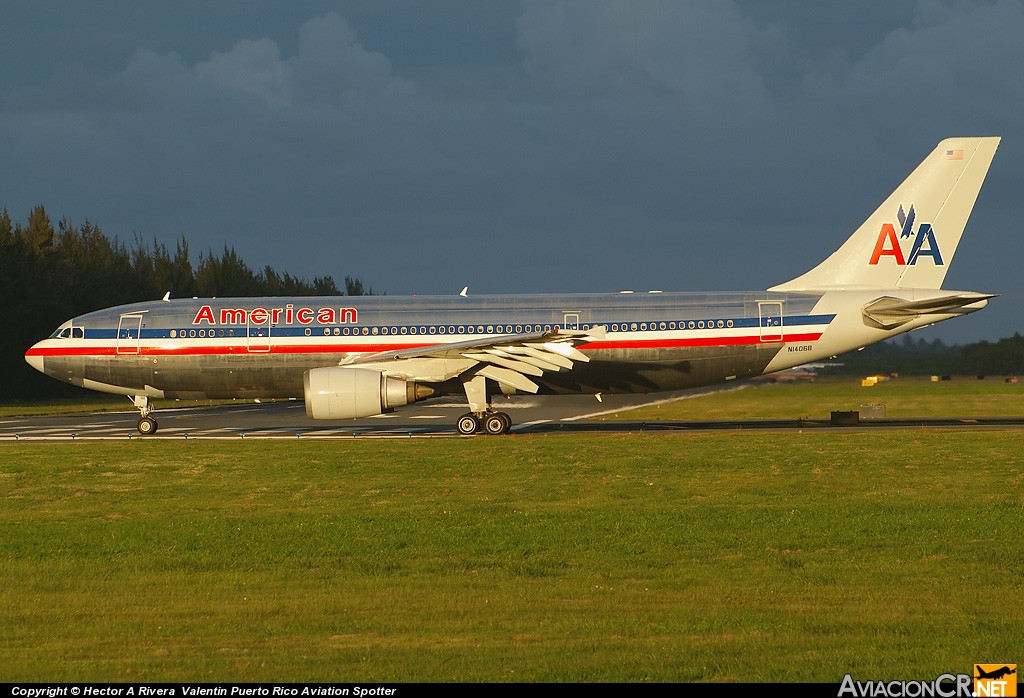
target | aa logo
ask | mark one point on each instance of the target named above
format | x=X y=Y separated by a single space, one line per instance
x=923 y=242
x=995 y=680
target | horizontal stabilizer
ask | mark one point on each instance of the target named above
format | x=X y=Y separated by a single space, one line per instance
x=888 y=313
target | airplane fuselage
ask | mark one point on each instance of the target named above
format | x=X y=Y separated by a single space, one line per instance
x=211 y=348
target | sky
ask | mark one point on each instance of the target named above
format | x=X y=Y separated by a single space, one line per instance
x=515 y=147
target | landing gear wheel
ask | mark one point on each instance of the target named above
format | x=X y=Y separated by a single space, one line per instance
x=497 y=423
x=147 y=426
x=468 y=424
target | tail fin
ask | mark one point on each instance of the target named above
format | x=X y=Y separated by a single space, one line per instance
x=910 y=240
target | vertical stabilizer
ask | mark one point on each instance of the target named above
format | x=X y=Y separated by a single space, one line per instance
x=910 y=240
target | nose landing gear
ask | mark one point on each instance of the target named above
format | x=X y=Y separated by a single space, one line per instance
x=147 y=425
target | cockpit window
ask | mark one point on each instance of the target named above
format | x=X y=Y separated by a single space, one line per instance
x=68 y=332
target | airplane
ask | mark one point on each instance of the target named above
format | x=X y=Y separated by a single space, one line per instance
x=995 y=674
x=358 y=356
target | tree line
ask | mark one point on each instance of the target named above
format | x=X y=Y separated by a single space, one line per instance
x=918 y=357
x=50 y=273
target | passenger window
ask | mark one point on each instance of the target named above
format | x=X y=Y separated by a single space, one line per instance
x=308 y=332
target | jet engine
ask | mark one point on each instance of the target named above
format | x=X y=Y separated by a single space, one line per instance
x=344 y=393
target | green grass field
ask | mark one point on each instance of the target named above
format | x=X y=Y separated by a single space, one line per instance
x=903 y=398
x=638 y=557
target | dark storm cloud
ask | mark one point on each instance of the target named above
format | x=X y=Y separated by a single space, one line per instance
x=534 y=146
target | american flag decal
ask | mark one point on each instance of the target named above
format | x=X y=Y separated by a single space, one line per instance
x=954 y=155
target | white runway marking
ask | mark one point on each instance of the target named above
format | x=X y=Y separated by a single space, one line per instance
x=517 y=427
x=650 y=404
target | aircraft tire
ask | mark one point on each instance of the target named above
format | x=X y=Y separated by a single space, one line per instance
x=507 y=420
x=147 y=426
x=468 y=424
x=496 y=424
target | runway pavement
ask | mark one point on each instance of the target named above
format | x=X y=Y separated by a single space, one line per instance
x=288 y=419
x=530 y=414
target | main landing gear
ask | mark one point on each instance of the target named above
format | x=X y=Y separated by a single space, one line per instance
x=481 y=417
x=147 y=425
x=493 y=423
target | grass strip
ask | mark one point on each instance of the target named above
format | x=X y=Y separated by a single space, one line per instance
x=721 y=557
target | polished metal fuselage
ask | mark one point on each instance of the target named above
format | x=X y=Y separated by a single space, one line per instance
x=654 y=341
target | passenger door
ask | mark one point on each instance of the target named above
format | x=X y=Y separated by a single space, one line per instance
x=770 y=313
x=129 y=333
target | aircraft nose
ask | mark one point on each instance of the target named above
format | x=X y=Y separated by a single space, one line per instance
x=34 y=360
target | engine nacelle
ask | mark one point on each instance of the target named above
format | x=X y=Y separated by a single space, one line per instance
x=344 y=393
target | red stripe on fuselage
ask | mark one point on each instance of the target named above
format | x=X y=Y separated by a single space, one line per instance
x=242 y=350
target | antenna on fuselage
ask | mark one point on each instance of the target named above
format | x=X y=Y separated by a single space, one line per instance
x=167 y=296
x=464 y=292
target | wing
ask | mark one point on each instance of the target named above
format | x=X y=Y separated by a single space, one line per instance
x=511 y=359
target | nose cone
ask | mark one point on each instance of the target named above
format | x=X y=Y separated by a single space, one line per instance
x=34 y=360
